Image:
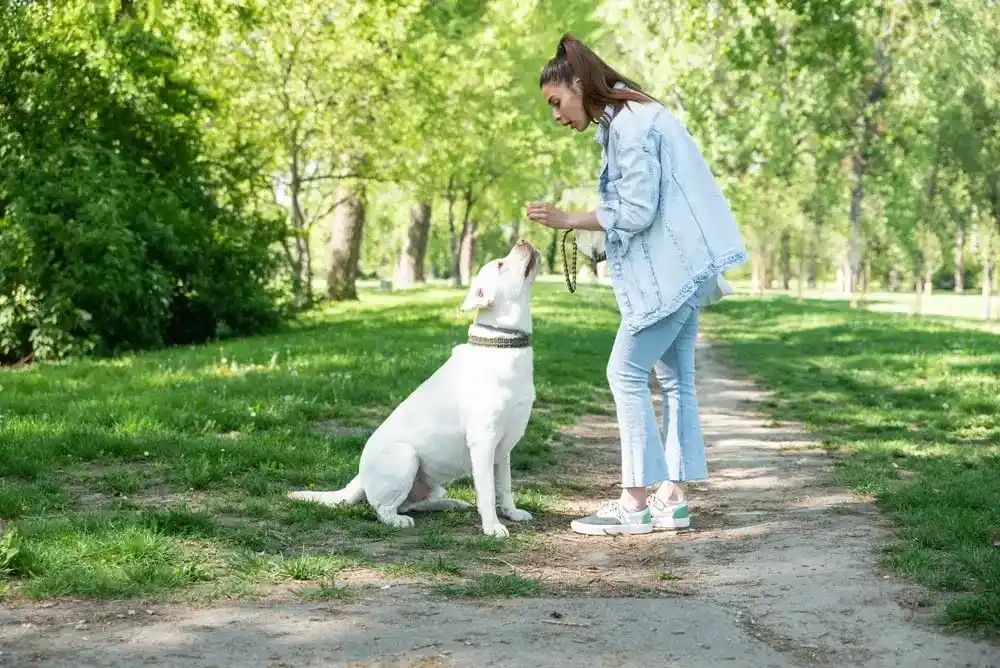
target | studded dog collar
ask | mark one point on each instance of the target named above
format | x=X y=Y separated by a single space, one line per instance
x=518 y=340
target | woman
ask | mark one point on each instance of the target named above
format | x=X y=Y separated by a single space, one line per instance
x=669 y=234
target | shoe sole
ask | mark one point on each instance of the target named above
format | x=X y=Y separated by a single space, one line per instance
x=598 y=530
x=671 y=523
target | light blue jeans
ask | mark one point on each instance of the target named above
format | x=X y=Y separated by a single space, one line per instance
x=668 y=347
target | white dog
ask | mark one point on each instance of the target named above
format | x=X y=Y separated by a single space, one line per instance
x=467 y=417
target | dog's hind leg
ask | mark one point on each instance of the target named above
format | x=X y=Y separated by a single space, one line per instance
x=435 y=501
x=389 y=481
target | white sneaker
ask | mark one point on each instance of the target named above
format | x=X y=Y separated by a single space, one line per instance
x=667 y=514
x=611 y=519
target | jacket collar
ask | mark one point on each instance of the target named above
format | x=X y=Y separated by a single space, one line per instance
x=609 y=115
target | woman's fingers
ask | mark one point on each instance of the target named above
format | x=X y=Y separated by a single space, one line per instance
x=539 y=212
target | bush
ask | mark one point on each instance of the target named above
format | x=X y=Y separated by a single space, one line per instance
x=118 y=229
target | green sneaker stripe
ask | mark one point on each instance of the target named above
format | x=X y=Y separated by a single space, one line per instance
x=681 y=513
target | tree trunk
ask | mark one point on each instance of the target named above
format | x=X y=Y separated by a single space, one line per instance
x=345 y=246
x=988 y=249
x=812 y=270
x=987 y=290
x=467 y=256
x=410 y=269
x=758 y=272
x=456 y=257
x=515 y=232
x=818 y=211
x=959 y=261
x=927 y=239
x=988 y=265
x=302 y=291
x=801 y=282
x=844 y=275
x=303 y=267
x=860 y=160
x=458 y=241
x=554 y=252
x=307 y=268
x=866 y=277
x=126 y=9
x=786 y=259
x=891 y=279
x=452 y=236
x=853 y=263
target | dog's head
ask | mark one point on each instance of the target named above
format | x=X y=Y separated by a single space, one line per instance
x=501 y=291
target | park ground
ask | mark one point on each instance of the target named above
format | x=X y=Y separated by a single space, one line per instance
x=850 y=520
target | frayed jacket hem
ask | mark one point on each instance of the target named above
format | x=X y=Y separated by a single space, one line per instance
x=636 y=324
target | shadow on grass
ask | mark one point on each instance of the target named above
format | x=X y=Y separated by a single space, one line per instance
x=916 y=403
x=228 y=427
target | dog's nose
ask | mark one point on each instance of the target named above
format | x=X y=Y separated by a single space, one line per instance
x=521 y=242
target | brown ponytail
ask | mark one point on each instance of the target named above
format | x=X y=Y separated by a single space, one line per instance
x=573 y=60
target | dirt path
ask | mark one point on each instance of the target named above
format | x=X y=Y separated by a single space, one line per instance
x=780 y=572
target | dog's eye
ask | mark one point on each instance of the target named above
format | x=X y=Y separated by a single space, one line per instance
x=500 y=265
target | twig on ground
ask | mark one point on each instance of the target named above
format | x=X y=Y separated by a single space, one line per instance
x=557 y=622
x=501 y=561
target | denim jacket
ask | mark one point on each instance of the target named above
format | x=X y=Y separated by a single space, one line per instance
x=668 y=228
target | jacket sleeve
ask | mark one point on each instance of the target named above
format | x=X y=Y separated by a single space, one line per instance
x=638 y=192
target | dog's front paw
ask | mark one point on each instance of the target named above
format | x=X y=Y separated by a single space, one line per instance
x=400 y=521
x=516 y=514
x=497 y=530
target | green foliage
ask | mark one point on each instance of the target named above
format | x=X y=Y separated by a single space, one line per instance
x=113 y=231
x=802 y=107
x=170 y=171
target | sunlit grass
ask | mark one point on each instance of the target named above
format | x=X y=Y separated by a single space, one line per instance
x=915 y=403
x=167 y=471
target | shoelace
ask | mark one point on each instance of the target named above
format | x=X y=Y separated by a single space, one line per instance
x=610 y=507
x=616 y=509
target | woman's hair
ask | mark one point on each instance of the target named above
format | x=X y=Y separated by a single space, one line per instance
x=573 y=60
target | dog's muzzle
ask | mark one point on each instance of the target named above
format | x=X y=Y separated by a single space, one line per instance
x=534 y=257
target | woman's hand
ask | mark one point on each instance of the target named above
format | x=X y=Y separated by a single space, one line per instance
x=548 y=215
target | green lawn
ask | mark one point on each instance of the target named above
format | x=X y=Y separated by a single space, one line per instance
x=916 y=403
x=165 y=473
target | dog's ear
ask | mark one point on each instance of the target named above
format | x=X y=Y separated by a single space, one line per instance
x=481 y=293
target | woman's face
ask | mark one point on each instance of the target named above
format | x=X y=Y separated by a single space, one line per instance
x=567 y=105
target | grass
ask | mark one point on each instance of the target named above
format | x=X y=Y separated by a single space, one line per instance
x=915 y=406
x=164 y=474
x=492 y=585
x=325 y=592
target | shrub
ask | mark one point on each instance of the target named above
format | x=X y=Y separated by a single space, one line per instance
x=118 y=227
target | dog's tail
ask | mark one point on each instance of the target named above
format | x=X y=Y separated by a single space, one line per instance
x=348 y=496
x=353 y=493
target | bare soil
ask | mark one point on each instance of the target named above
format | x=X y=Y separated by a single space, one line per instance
x=780 y=570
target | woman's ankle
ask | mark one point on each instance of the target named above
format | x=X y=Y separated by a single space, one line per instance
x=670 y=492
x=633 y=498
